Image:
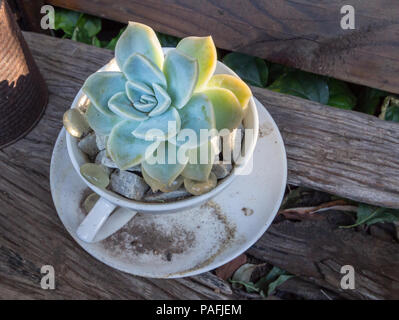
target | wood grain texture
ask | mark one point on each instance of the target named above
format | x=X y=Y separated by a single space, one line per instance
x=31 y=234
x=304 y=34
x=342 y=152
x=317 y=250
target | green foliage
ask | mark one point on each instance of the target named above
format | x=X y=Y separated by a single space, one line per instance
x=303 y=85
x=340 y=95
x=167 y=40
x=276 y=70
x=249 y=286
x=367 y=214
x=252 y=70
x=392 y=113
x=312 y=87
x=390 y=109
x=86 y=29
x=370 y=99
x=82 y=28
x=66 y=20
x=265 y=286
x=78 y=26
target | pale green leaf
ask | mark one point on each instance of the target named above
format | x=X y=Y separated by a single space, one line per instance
x=161 y=127
x=140 y=69
x=165 y=165
x=125 y=149
x=100 y=122
x=200 y=162
x=197 y=114
x=204 y=51
x=181 y=72
x=101 y=86
x=138 y=38
x=227 y=108
x=123 y=107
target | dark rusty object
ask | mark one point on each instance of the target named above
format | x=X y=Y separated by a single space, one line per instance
x=23 y=92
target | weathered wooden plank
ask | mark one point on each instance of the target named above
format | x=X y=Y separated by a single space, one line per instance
x=347 y=153
x=31 y=234
x=318 y=249
x=305 y=34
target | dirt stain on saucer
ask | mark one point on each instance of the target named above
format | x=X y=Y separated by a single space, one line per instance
x=247 y=211
x=145 y=236
x=225 y=239
x=265 y=129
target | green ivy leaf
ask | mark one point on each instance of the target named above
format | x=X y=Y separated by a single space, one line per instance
x=249 y=286
x=167 y=40
x=252 y=70
x=301 y=84
x=272 y=275
x=268 y=283
x=96 y=42
x=90 y=25
x=66 y=20
x=370 y=99
x=367 y=214
x=392 y=114
x=340 y=95
x=276 y=70
x=86 y=28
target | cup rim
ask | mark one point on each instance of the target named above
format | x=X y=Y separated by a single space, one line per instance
x=172 y=205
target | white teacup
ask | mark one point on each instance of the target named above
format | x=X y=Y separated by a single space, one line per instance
x=88 y=230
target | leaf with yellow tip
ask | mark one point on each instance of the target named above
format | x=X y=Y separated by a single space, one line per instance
x=235 y=85
x=156 y=185
x=165 y=165
x=203 y=49
x=200 y=162
x=227 y=108
x=197 y=188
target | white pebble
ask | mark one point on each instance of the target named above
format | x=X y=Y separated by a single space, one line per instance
x=88 y=145
x=128 y=184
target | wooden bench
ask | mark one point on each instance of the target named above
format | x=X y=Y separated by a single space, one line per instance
x=345 y=153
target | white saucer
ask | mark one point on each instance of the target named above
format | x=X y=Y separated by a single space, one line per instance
x=190 y=242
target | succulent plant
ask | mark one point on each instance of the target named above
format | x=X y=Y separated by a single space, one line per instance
x=135 y=105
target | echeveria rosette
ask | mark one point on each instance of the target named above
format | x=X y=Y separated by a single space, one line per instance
x=134 y=105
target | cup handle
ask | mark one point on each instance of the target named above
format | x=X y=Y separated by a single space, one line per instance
x=95 y=220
